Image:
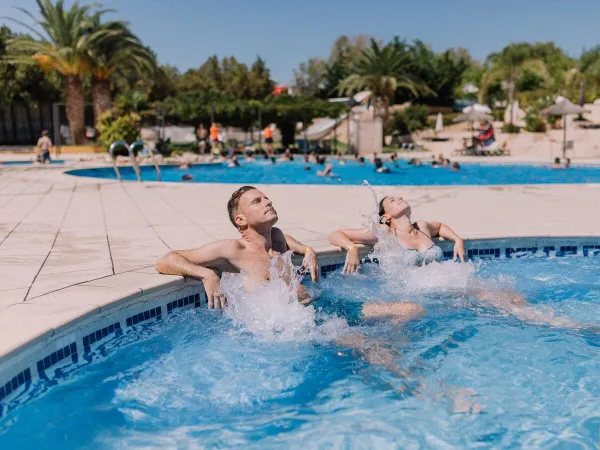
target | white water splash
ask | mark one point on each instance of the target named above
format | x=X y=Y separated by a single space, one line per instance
x=273 y=311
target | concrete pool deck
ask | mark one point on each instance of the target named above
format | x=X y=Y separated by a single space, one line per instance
x=70 y=246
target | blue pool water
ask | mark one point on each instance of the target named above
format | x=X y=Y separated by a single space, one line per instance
x=469 y=374
x=353 y=173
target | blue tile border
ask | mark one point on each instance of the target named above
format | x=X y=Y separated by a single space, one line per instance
x=144 y=316
x=57 y=356
x=100 y=334
x=184 y=301
x=18 y=380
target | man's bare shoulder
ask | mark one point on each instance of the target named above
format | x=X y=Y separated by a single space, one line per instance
x=229 y=246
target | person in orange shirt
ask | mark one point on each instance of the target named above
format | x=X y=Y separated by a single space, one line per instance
x=268 y=141
x=214 y=138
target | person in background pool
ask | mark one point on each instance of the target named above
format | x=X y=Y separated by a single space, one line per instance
x=455 y=167
x=435 y=164
x=567 y=163
x=379 y=167
x=446 y=163
x=187 y=177
x=361 y=160
x=307 y=167
x=556 y=164
x=273 y=160
x=417 y=237
x=327 y=172
x=233 y=162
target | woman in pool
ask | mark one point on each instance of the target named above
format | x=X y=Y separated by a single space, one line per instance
x=417 y=237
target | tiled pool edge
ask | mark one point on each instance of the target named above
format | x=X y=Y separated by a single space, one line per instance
x=49 y=350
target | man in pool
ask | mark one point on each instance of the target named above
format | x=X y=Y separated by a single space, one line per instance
x=252 y=213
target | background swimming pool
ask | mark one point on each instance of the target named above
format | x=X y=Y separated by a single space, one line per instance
x=353 y=173
x=200 y=380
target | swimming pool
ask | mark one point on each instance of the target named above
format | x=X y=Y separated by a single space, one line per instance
x=203 y=379
x=353 y=173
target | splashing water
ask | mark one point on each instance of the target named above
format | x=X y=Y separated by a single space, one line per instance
x=273 y=310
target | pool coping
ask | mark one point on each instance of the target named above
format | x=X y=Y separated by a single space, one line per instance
x=60 y=322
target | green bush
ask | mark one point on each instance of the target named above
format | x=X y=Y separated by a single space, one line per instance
x=163 y=146
x=498 y=115
x=534 y=122
x=413 y=118
x=508 y=128
x=119 y=128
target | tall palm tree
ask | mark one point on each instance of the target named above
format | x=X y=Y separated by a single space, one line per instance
x=382 y=70
x=114 y=50
x=586 y=72
x=61 y=45
x=507 y=65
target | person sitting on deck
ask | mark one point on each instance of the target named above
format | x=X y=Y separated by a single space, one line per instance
x=485 y=136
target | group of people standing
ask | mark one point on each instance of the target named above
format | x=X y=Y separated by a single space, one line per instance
x=218 y=139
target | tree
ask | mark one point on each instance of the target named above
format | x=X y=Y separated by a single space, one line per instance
x=586 y=72
x=441 y=72
x=260 y=81
x=63 y=47
x=508 y=65
x=114 y=51
x=309 y=77
x=382 y=70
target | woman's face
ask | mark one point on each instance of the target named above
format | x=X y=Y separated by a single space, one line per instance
x=395 y=207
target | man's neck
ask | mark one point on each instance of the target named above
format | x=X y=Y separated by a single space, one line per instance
x=259 y=238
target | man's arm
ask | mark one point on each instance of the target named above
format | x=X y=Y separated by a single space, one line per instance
x=199 y=263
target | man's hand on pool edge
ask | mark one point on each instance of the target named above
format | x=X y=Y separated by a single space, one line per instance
x=212 y=286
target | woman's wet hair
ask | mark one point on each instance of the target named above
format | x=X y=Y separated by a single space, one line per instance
x=381 y=210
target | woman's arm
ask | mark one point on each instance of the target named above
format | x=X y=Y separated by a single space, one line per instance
x=438 y=229
x=347 y=239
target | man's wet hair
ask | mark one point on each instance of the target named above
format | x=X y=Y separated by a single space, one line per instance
x=234 y=202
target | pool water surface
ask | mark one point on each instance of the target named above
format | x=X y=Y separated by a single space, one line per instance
x=353 y=173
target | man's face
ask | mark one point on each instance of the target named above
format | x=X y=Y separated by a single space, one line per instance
x=255 y=210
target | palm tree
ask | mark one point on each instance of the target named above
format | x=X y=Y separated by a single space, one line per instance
x=382 y=70
x=507 y=65
x=62 y=46
x=114 y=50
x=586 y=72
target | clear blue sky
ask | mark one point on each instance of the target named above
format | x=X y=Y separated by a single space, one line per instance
x=185 y=32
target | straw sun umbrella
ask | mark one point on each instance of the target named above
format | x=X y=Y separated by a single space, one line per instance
x=564 y=109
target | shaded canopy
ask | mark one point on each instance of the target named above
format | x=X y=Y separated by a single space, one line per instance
x=565 y=108
x=473 y=116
